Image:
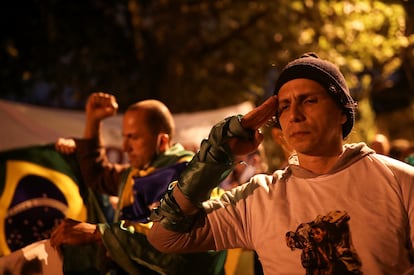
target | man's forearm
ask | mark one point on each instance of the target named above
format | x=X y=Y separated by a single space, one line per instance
x=200 y=238
x=92 y=129
x=212 y=163
x=96 y=170
x=204 y=172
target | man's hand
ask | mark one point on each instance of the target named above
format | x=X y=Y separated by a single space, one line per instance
x=100 y=106
x=65 y=145
x=72 y=232
x=253 y=120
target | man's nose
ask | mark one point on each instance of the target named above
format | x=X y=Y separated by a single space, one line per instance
x=296 y=113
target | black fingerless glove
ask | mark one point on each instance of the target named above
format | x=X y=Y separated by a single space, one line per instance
x=210 y=166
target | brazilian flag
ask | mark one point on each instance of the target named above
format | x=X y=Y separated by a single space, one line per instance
x=38 y=187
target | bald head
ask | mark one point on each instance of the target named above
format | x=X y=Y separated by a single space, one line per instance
x=157 y=116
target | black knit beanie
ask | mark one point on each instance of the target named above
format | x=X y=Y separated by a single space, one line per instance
x=310 y=66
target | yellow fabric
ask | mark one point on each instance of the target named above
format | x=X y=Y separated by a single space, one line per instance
x=136 y=227
x=216 y=193
x=239 y=262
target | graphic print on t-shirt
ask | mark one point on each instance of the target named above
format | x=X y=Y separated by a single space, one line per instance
x=326 y=245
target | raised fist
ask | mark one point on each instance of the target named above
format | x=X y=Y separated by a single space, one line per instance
x=100 y=106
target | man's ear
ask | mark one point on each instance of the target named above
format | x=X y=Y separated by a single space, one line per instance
x=344 y=118
x=163 y=142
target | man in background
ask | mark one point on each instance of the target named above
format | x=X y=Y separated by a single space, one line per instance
x=154 y=161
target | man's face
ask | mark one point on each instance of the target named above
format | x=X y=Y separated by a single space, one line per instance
x=310 y=119
x=138 y=141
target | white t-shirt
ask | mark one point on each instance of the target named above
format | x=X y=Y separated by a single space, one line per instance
x=354 y=220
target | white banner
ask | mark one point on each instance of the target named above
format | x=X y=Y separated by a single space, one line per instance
x=25 y=125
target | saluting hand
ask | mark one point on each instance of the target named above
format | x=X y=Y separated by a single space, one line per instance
x=253 y=120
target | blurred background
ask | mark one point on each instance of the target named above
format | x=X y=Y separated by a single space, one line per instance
x=199 y=55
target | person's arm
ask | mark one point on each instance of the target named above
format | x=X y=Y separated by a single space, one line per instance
x=71 y=232
x=179 y=222
x=98 y=107
x=97 y=172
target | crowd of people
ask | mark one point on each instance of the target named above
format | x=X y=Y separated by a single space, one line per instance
x=330 y=207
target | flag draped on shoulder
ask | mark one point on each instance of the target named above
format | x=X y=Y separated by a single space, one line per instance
x=38 y=187
x=150 y=189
